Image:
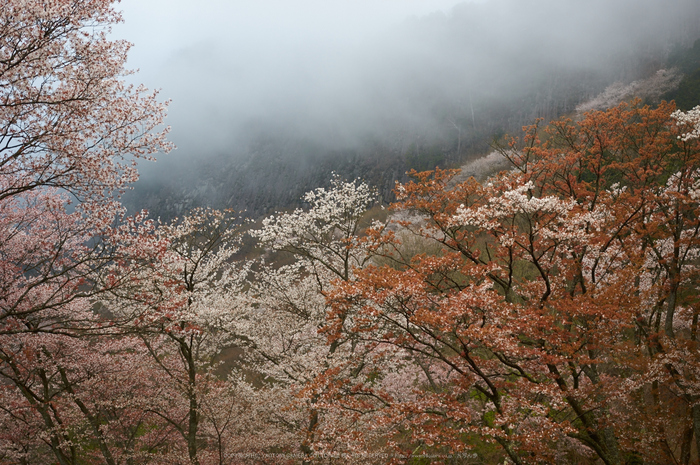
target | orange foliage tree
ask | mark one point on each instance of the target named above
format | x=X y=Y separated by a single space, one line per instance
x=559 y=318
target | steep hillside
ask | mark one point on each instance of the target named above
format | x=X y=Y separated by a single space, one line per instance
x=437 y=91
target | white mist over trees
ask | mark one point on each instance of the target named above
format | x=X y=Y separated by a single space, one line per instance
x=301 y=87
x=323 y=70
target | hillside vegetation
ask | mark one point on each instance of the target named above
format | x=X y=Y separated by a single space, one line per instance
x=542 y=306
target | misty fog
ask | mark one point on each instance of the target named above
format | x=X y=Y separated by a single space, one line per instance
x=339 y=73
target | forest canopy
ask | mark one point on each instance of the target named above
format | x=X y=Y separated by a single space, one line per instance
x=548 y=314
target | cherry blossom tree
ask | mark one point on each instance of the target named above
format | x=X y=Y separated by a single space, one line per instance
x=70 y=129
x=182 y=304
x=66 y=117
x=287 y=304
x=65 y=399
x=70 y=132
x=689 y=120
x=558 y=319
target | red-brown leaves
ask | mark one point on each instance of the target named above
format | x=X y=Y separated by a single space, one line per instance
x=547 y=290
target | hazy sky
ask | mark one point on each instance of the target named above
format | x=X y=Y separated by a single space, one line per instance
x=160 y=29
x=157 y=27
